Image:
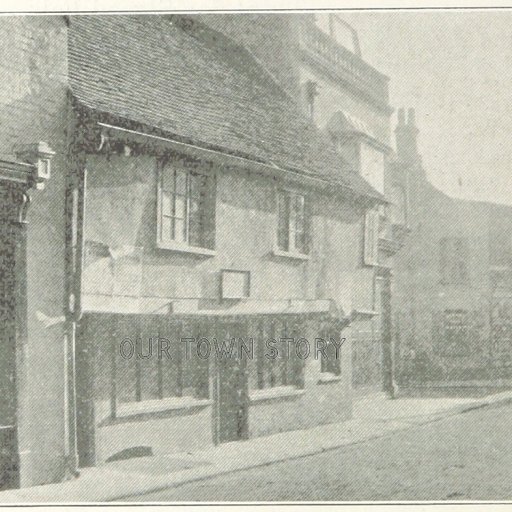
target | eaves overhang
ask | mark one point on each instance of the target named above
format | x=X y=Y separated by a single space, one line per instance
x=118 y=128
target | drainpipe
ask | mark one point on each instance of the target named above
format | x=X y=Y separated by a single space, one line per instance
x=74 y=239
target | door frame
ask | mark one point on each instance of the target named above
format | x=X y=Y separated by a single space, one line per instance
x=216 y=369
x=15 y=181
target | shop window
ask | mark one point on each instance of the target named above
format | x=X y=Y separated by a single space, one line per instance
x=330 y=362
x=186 y=210
x=456 y=332
x=276 y=362
x=454 y=260
x=293 y=222
x=141 y=358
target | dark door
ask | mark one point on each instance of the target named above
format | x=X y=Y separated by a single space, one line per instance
x=9 y=465
x=233 y=388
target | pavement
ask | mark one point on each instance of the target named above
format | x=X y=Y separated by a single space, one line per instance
x=374 y=417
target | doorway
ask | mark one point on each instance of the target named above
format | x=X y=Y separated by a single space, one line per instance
x=232 y=386
x=12 y=329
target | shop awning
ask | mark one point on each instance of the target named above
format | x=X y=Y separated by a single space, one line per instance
x=201 y=308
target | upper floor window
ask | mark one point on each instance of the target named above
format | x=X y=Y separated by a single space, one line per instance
x=186 y=207
x=293 y=222
x=343 y=33
x=454 y=260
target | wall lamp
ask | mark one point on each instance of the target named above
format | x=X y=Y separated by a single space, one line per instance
x=39 y=154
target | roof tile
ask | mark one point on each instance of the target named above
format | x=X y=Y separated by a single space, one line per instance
x=196 y=84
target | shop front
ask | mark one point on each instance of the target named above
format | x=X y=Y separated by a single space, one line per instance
x=159 y=383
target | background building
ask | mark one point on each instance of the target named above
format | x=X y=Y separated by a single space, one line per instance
x=453 y=291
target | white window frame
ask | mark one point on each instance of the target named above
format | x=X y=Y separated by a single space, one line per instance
x=181 y=245
x=292 y=249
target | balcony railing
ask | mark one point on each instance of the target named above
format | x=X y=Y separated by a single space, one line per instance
x=344 y=63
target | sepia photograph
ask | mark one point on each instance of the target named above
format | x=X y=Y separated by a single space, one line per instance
x=256 y=256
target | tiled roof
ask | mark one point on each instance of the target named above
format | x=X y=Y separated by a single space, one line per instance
x=197 y=85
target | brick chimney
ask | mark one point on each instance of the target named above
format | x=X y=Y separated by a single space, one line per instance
x=406 y=136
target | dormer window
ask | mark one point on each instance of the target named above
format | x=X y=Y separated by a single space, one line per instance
x=355 y=141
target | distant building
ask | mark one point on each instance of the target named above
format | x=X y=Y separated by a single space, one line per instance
x=452 y=298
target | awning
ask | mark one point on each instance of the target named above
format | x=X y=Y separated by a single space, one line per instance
x=202 y=308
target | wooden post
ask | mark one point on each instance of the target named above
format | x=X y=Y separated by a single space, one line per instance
x=215 y=385
x=86 y=390
x=113 y=330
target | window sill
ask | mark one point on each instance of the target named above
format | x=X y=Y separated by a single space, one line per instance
x=328 y=378
x=276 y=393
x=292 y=255
x=127 y=410
x=187 y=249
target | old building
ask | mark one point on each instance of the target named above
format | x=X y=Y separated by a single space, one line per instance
x=207 y=215
x=191 y=195
x=452 y=296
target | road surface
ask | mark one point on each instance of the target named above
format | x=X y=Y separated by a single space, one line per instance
x=463 y=457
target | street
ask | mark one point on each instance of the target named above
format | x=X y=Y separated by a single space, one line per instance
x=463 y=457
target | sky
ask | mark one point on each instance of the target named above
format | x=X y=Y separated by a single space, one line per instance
x=455 y=69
